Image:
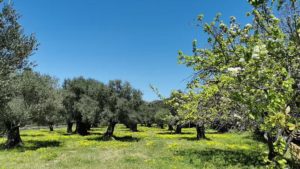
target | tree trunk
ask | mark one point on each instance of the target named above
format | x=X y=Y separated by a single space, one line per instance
x=272 y=153
x=110 y=130
x=133 y=127
x=127 y=125
x=149 y=125
x=81 y=128
x=161 y=125
x=13 y=138
x=88 y=126
x=51 y=127
x=170 y=128
x=76 y=128
x=200 y=132
x=69 y=127
x=223 y=129
x=178 y=129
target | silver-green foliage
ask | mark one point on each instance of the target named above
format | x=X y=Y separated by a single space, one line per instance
x=15 y=48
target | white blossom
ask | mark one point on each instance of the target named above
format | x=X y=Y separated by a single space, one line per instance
x=237 y=116
x=259 y=50
x=222 y=25
x=248 y=26
x=255 y=56
x=256 y=49
x=234 y=70
x=288 y=110
x=242 y=60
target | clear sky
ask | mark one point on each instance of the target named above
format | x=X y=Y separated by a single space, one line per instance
x=133 y=40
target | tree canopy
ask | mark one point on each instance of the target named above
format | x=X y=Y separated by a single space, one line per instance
x=254 y=68
x=15 y=48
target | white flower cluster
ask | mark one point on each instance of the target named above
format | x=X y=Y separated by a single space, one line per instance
x=222 y=25
x=255 y=54
x=237 y=116
x=274 y=40
x=248 y=26
x=242 y=60
x=232 y=31
x=259 y=50
x=234 y=70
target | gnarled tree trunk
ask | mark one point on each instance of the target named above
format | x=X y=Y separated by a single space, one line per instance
x=81 y=128
x=170 y=127
x=110 y=130
x=133 y=127
x=178 y=129
x=13 y=137
x=51 y=127
x=69 y=127
x=127 y=125
x=200 y=131
x=161 y=125
x=88 y=126
x=149 y=125
x=223 y=128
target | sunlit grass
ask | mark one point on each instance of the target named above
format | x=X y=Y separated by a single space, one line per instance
x=148 y=148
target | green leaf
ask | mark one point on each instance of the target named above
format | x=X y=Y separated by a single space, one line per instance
x=282 y=162
x=251 y=117
x=291 y=126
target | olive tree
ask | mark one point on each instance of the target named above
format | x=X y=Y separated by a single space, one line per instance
x=34 y=100
x=147 y=116
x=123 y=102
x=15 y=48
x=84 y=101
x=42 y=97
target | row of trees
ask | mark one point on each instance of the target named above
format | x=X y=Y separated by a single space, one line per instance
x=28 y=97
x=249 y=76
x=37 y=99
x=88 y=102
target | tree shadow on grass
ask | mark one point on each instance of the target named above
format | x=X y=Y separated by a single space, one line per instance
x=43 y=144
x=127 y=139
x=32 y=135
x=256 y=137
x=173 y=133
x=194 y=138
x=96 y=133
x=231 y=157
x=214 y=132
x=64 y=133
x=90 y=132
x=33 y=145
x=121 y=139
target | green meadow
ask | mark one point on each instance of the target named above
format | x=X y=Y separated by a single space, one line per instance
x=147 y=149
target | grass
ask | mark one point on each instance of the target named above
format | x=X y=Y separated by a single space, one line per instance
x=151 y=148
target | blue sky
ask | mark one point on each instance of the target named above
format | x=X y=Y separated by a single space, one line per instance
x=133 y=40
